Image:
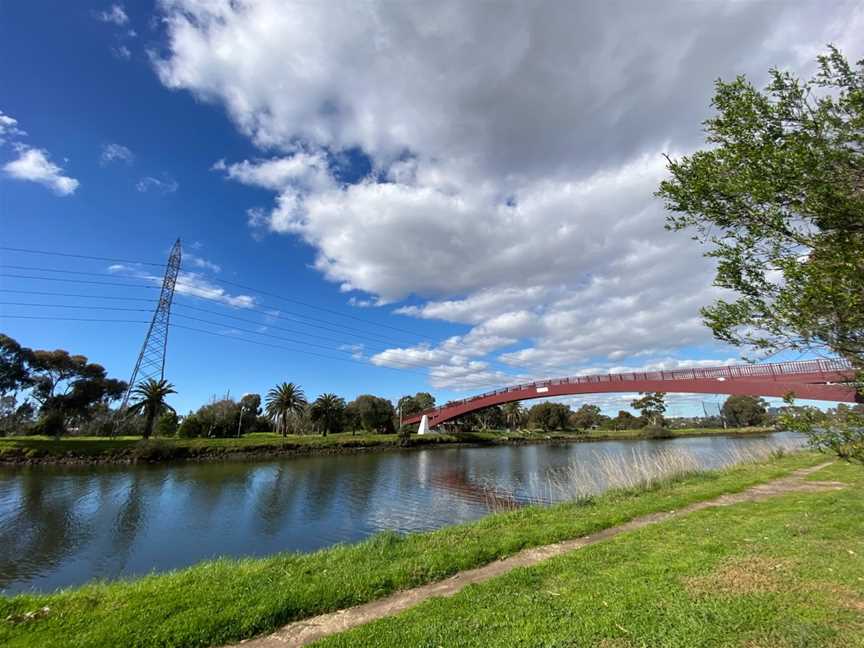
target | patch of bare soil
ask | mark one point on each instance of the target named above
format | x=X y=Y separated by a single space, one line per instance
x=306 y=631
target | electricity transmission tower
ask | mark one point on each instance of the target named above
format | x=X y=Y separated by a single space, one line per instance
x=151 y=359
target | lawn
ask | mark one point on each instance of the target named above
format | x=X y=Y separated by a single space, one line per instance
x=225 y=600
x=779 y=573
x=20 y=449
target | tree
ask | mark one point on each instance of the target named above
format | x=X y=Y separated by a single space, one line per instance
x=779 y=197
x=651 y=407
x=626 y=421
x=587 y=417
x=151 y=394
x=285 y=403
x=250 y=410
x=549 y=416
x=744 y=411
x=328 y=412
x=373 y=414
x=14 y=374
x=514 y=415
x=419 y=402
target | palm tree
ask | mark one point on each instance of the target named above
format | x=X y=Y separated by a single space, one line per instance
x=514 y=414
x=285 y=402
x=151 y=401
x=329 y=411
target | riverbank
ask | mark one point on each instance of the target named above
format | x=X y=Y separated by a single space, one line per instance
x=221 y=601
x=32 y=450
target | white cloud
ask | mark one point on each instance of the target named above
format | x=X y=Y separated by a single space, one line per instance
x=188 y=283
x=35 y=165
x=9 y=128
x=164 y=185
x=115 y=15
x=116 y=153
x=202 y=263
x=514 y=157
x=122 y=52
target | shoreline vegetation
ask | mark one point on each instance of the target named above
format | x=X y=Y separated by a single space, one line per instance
x=224 y=600
x=36 y=450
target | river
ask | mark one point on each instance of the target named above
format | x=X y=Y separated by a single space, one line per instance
x=64 y=526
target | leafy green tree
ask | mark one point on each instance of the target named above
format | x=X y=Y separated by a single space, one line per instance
x=285 y=404
x=744 y=411
x=328 y=413
x=167 y=424
x=419 y=402
x=778 y=196
x=514 y=415
x=651 y=407
x=250 y=410
x=549 y=416
x=587 y=417
x=626 y=421
x=14 y=375
x=151 y=401
x=373 y=414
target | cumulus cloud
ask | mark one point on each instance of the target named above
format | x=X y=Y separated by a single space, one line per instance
x=35 y=165
x=514 y=154
x=116 y=153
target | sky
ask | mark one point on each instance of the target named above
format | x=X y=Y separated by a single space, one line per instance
x=376 y=197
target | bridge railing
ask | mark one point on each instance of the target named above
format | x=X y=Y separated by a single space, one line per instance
x=774 y=370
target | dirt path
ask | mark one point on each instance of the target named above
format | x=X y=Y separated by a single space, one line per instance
x=304 y=632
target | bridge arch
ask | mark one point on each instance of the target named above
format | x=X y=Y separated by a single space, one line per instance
x=827 y=380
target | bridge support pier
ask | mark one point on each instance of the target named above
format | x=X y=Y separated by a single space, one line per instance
x=424 y=426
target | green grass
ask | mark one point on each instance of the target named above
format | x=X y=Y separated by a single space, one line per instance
x=43 y=448
x=779 y=573
x=226 y=600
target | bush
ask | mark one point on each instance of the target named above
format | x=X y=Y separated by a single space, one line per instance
x=156 y=450
x=167 y=424
x=51 y=424
x=191 y=427
x=404 y=435
x=657 y=432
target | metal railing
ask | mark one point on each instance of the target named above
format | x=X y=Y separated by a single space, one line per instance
x=775 y=370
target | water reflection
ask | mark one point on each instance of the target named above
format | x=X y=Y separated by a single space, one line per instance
x=65 y=526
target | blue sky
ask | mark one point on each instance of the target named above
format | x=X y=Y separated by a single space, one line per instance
x=481 y=184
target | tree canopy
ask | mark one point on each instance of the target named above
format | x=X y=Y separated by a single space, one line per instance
x=779 y=198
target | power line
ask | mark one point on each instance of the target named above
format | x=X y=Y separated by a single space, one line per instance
x=225 y=335
x=327 y=323
x=79 y=256
x=81 y=281
x=57 y=294
x=226 y=282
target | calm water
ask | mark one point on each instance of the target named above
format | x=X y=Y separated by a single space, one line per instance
x=66 y=526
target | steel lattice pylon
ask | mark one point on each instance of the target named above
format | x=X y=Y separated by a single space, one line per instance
x=151 y=360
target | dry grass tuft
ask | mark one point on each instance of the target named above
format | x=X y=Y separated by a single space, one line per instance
x=749 y=575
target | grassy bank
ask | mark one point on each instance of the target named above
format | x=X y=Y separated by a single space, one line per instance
x=226 y=600
x=40 y=449
x=784 y=572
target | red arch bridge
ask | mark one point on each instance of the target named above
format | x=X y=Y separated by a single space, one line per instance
x=829 y=380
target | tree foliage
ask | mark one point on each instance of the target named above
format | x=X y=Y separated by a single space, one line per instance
x=744 y=411
x=549 y=416
x=151 y=403
x=328 y=413
x=651 y=407
x=286 y=403
x=587 y=417
x=373 y=414
x=779 y=198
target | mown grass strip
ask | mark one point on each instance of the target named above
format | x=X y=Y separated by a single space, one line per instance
x=34 y=449
x=221 y=601
x=788 y=571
